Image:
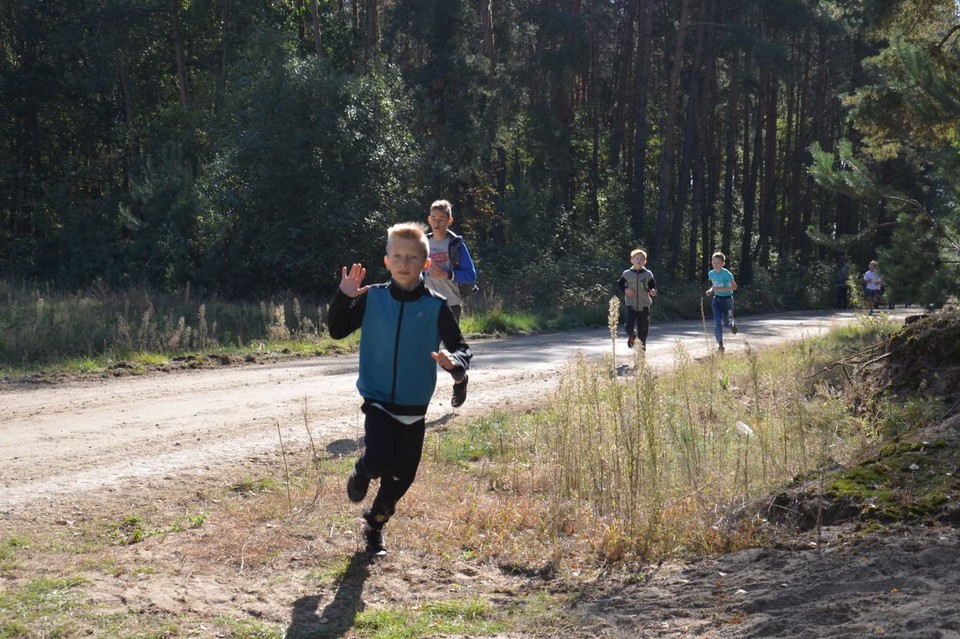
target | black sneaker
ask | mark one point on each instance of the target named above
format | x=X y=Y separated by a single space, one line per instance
x=733 y=327
x=631 y=340
x=374 y=538
x=720 y=348
x=459 y=393
x=357 y=486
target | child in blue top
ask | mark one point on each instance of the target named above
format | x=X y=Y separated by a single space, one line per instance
x=403 y=324
x=722 y=287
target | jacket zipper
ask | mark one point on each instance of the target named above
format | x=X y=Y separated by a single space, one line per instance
x=396 y=355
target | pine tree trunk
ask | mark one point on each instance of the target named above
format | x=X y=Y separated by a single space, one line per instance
x=179 y=53
x=669 y=142
x=642 y=129
x=624 y=64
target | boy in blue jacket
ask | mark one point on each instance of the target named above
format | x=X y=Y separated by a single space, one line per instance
x=451 y=272
x=722 y=286
x=403 y=324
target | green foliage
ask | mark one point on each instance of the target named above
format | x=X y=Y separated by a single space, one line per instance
x=841 y=172
x=247 y=629
x=907 y=118
x=162 y=220
x=129 y=531
x=915 y=269
x=918 y=262
x=133 y=529
x=252 y=156
x=491 y=319
x=310 y=177
x=915 y=102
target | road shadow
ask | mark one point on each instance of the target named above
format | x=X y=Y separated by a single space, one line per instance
x=341 y=447
x=348 y=446
x=337 y=618
x=440 y=424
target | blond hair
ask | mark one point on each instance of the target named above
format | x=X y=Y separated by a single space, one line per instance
x=636 y=251
x=442 y=205
x=723 y=258
x=409 y=231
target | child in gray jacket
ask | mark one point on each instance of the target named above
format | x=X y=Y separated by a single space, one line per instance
x=639 y=288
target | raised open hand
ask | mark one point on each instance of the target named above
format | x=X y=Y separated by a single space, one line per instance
x=350 y=282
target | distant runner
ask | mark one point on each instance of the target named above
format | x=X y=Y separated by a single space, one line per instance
x=722 y=287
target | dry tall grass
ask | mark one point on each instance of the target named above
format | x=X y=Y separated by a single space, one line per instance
x=635 y=467
x=42 y=326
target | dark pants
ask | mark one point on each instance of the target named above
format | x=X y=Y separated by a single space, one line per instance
x=392 y=454
x=457 y=311
x=841 y=296
x=638 y=323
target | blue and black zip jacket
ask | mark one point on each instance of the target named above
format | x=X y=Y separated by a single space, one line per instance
x=464 y=270
x=399 y=331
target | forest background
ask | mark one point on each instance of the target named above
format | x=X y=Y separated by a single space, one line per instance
x=247 y=150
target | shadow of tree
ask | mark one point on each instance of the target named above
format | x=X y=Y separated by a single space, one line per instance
x=338 y=616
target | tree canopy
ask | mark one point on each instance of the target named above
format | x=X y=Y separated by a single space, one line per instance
x=255 y=147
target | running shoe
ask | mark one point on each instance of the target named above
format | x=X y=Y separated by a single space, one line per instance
x=374 y=539
x=357 y=486
x=459 y=393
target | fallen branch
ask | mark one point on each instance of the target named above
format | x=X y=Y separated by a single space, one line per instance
x=846 y=360
x=872 y=361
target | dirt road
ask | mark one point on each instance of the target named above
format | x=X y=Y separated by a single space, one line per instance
x=105 y=433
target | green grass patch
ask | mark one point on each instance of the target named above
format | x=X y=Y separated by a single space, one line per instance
x=259 y=485
x=8 y=552
x=134 y=530
x=40 y=608
x=470 y=617
x=497 y=321
x=244 y=629
x=491 y=436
